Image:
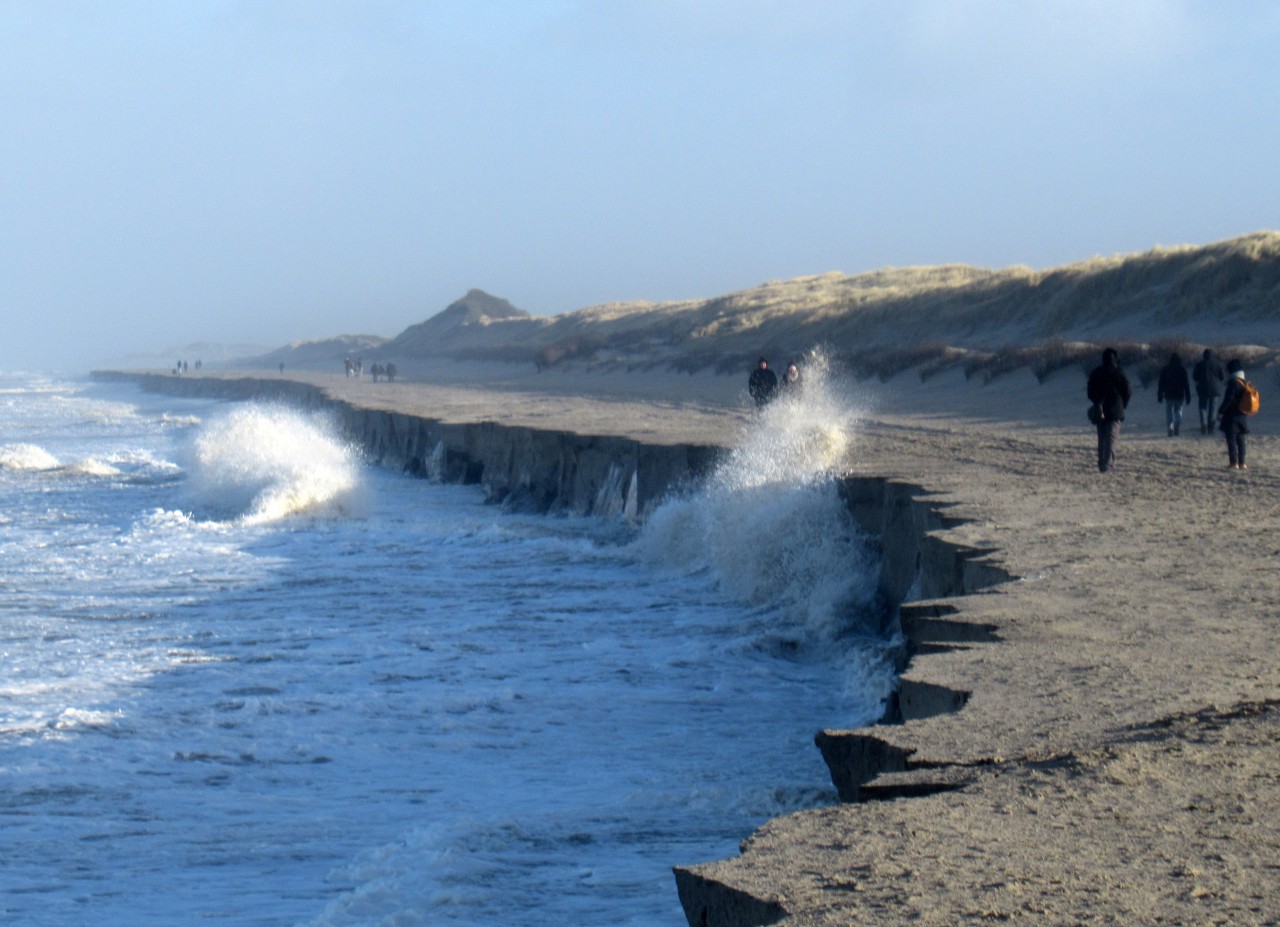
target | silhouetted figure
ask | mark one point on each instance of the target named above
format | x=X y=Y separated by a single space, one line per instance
x=1109 y=392
x=1174 y=390
x=1209 y=381
x=762 y=383
x=391 y=373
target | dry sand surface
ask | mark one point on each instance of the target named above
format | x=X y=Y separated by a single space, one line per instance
x=1119 y=758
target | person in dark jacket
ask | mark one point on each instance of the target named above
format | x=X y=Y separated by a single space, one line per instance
x=762 y=383
x=1109 y=392
x=1230 y=419
x=1174 y=390
x=1209 y=379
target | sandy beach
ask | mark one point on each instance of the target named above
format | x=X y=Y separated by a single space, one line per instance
x=1117 y=759
x=1118 y=755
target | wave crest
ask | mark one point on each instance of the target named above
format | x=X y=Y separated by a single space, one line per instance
x=263 y=463
x=26 y=457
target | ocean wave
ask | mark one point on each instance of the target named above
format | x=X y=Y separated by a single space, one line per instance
x=27 y=457
x=769 y=524
x=79 y=719
x=182 y=420
x=143 y=467
x=91 y=466
x=261 y=463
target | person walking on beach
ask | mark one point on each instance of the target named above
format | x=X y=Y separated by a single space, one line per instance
x=762 y=383
x=1209 y=378
x=1174 y=390
x=1109 y=391
x=1231 y=418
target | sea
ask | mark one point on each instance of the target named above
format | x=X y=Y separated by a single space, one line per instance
x=249 y=678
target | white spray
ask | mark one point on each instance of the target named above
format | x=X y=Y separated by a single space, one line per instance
x=770 y=524
x=262 y=463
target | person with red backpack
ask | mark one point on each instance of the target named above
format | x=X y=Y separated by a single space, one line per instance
x=1239 y=400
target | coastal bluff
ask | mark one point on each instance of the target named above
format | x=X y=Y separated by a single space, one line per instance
x=1088 y=727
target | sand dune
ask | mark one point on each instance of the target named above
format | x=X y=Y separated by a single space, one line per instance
x=877 y=323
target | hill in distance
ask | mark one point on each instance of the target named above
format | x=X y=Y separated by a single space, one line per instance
x=465 y=321
x=882 y=321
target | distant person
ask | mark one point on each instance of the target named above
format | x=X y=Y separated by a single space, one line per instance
x=376 y=370
x=1174 y=390
x=762 y=384
x=1109 y=391
x=1209 y=379
x=351 y=368
x=282 y=366
x=1232 y=421
x=789 y=382
x=390 y=371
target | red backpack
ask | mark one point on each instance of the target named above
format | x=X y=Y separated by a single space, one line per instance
x=1249 y=399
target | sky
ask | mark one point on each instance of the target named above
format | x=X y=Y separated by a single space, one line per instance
x=270 y=171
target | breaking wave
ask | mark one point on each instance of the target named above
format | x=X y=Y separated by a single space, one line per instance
x=769 y=525
x=263 y=463
x=26 y=457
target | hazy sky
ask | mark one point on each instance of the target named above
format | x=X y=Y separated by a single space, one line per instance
x=266 y=171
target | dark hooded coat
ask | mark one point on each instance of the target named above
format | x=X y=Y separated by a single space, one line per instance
x=1109 y=387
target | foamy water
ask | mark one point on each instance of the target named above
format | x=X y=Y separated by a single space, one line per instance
x=249 y=680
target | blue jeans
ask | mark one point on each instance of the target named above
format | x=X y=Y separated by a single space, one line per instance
x=1173 y=414
x=1208 y=411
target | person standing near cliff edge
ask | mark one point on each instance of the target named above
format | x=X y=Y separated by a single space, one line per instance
x=762 y=383
x=1109 y=391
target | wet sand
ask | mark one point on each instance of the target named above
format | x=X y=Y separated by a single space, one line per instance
x=1118 y=759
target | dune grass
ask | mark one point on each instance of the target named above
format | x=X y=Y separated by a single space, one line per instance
x=930 y=319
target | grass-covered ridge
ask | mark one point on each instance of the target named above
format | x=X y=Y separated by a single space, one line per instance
x=883 y=321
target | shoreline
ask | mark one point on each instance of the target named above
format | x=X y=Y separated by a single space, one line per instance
x=1125 y=666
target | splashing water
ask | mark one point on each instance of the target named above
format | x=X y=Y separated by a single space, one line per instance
x=26 y=457
x=262 y=463
x=770 y=526
x=800 y=438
